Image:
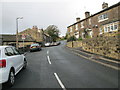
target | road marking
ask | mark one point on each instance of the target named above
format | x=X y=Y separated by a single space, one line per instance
x=59 y=81
x=100 y=57
x=47 y=52
x=107 y=65
x=49 y=59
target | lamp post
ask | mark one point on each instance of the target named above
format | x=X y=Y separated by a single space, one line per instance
x=17 y=30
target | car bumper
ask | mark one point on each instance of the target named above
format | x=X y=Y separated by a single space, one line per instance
x=4 y=74
x=47 y=45
x=34 y=49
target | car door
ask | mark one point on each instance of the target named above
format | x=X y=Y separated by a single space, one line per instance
x=12 y=58
x=19 y=56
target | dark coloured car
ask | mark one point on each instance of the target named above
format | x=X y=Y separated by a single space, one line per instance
x=35 y=47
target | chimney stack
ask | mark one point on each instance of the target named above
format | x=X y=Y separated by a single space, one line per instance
x=87 y=14
x=35 y=27
x=104 y=5
x=77 y=19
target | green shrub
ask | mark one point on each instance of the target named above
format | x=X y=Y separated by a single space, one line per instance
x=72 y=38
x=79 y=39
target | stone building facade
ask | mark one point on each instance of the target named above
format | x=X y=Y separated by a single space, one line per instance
x=105 y=22
x=38 y=34
x=8 y=39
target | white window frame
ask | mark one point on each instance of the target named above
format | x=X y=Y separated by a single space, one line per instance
x=116 y=28
x=105 y=28
x=108 y=27
x=103 y=17
x=112 y=25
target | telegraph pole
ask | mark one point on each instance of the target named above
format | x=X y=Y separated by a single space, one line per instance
x=17 y=30
x=17 y=33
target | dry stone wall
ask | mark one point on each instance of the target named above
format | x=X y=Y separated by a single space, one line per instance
x=105 y=46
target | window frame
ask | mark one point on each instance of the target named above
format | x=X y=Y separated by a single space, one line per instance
x=14 y=49
x=8 y=53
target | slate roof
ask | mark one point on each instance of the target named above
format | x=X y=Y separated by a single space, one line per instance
x=12 y=38
x=115 y=5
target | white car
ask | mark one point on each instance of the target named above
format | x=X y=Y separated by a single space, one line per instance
x=11 y=62
x=47 y=44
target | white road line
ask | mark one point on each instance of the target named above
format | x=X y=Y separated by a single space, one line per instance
x=107 y=65
x=47 y=52
x=49 y=59
x=59 y=81
x=100 y=57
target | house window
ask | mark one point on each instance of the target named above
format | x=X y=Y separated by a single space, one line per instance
x=108 y=28
x=103 y=17
x=105 y=29
x=111 y=27
x=115 y=27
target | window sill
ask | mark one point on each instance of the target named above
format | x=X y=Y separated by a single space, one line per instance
x=103 y=20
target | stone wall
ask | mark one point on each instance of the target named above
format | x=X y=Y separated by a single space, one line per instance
x=106 y=46
x=74 y=44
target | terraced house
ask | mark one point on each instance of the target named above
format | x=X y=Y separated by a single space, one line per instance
x=105 y=22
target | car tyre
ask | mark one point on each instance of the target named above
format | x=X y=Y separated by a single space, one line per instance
x=11 y=79
x=25 y=64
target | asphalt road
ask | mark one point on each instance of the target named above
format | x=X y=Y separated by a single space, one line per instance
x=57 y=67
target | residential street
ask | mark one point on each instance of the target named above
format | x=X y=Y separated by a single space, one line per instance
x=60 y=44
x=57 y=67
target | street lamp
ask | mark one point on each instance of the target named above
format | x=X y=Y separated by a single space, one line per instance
x=17 y=30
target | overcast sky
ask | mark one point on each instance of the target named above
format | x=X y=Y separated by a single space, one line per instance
x=43 y=13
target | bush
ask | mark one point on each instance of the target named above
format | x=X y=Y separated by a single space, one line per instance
x=72 y=38
x=79 y=39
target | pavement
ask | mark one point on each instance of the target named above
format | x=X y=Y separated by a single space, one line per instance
x=59 y=67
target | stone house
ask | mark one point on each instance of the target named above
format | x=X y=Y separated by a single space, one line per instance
x=8 y=39
x=37 y=34
x=105 y=22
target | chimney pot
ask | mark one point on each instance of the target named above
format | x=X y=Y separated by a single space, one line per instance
x=87 y=14
x=104 y=5
x=77 y=19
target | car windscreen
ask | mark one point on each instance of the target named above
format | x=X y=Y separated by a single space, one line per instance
x=35 y=45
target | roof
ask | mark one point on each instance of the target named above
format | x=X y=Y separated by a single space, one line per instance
x=3 y=47
x=12 y=38
x=47 y=34
x=115 y=5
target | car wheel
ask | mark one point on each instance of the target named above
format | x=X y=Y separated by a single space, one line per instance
x=39 y=49
x=25 y=64
x=11 y=79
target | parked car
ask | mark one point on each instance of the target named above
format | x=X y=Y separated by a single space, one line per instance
x=11 y=62
x=47 y=44
x=52 y=43
x=35 y=47
x=56 y=43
